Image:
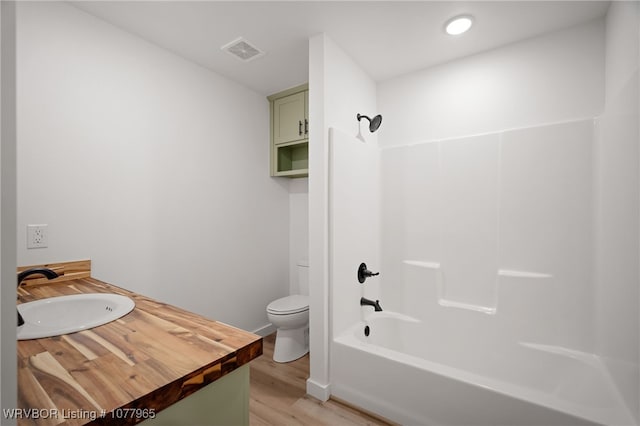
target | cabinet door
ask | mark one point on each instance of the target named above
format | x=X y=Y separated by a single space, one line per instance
x=289 y=118
x=306 y=114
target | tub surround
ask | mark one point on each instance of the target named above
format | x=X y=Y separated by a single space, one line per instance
x=150 y=359
x=504 y=340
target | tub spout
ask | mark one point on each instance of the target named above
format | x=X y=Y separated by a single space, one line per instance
x=367 y=302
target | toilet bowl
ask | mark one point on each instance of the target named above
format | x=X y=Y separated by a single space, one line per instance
x=290 y=315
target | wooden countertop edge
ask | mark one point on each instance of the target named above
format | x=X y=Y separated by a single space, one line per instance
x=185 y=386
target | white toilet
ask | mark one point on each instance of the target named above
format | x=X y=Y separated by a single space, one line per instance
x=290 y=315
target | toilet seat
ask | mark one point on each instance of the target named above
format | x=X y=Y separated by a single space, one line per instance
x=289 y=305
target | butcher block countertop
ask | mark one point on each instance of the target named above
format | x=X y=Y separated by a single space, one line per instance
x=147 y=360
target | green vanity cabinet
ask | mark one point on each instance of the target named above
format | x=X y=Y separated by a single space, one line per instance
x=289 y=113
x=224 y=402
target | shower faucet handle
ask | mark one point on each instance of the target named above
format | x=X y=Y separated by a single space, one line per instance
x=364 y=273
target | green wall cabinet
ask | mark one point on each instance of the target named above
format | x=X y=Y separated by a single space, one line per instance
x=289 y=112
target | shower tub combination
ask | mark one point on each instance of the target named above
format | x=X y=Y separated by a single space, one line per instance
x=511 y=350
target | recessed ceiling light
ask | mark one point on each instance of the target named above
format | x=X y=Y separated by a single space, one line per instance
x=458 y=24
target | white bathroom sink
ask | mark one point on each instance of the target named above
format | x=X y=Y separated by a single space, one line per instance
x=67 y=314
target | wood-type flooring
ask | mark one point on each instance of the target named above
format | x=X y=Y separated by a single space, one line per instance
x=278 y=396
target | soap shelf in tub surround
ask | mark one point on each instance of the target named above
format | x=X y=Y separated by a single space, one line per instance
x=149 y=359
x=441 y=285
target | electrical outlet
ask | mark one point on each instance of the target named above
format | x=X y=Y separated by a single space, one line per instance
x=37 y=236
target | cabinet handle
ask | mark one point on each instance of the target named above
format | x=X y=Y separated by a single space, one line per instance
x=306 y=126
x=299 y=128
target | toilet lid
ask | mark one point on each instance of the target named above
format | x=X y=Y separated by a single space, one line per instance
x=289 y=305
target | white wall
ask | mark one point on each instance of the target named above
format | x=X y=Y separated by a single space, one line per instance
x=617 y=215
x=359 y=243
x=354 y=222
x=318 y=381
x=551 y=78
x=332 y=74
x=298 y=230
x=148 y=165
x=8 y=391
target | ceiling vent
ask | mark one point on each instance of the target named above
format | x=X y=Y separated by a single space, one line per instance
x=242 y=49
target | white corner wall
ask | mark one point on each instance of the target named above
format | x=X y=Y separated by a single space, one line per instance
x=318 y=381
x=332 y=74
x=359 y=243
x=146 y=164
x=8 y=363
x=618 y=212
x=551 y=78
x=354 y=238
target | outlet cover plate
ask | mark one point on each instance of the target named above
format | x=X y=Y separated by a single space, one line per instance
x=37 y=236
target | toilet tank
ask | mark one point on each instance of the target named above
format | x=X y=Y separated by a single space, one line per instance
x=303 y=277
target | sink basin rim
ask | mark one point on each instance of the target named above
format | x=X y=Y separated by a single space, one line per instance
x=108 y=307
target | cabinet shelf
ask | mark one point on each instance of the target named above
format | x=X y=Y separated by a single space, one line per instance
x=294 y=173
x=292 y=159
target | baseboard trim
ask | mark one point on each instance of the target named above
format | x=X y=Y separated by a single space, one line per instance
x=265 y=330
x=318 y=391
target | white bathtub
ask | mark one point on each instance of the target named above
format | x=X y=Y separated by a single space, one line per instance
x=409 y=375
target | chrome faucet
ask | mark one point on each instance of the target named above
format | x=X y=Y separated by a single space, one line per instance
x=24 y=274
x=367 y=302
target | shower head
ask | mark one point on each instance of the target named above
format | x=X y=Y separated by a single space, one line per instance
x=374 y=122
